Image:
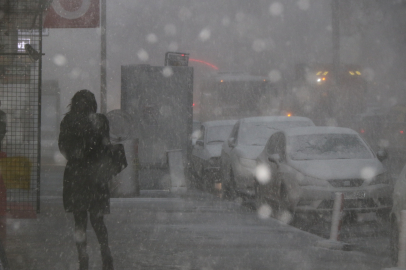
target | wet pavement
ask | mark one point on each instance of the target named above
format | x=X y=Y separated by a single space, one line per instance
x=194 y=230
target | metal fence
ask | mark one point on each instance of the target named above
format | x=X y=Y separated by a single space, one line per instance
x=20 y=96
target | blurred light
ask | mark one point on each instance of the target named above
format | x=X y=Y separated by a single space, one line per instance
x=289 y=115
x=352 y=73
x=264 y=80
x=362 y=131
x=358 y=73
x=318 y=73
x=263 y=174
x=325 y=73
x=222 y=81
x=203 y=62
x=193 y=105
x=264 y=211
x=319 y=80
x=324 y=79
x=401 y=132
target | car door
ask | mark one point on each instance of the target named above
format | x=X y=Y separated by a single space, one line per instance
x=198 y=152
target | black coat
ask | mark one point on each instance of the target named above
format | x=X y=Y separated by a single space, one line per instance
x=84 y=141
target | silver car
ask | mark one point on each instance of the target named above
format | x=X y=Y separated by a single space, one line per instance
x=206 y=151
x=300 y=169
x=245 y=143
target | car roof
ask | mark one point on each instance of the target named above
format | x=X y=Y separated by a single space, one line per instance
x=275 y=119
x=219 y=123
x=318 y=130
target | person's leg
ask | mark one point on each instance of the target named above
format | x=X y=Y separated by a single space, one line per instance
x=80 y=238
x=101 y=233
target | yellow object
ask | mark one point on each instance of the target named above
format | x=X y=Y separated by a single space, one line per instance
x=16 y=172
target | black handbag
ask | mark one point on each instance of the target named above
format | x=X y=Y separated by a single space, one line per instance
x=117 y=159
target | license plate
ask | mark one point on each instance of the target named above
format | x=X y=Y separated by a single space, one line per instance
x=359 y=194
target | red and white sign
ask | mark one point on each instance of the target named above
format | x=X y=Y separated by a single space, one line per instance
x=73 y=14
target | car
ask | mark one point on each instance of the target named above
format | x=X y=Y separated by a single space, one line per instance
x=385 y=128
x=207 y=149
x=301 y=169
x=399 y=204
x=246 y=141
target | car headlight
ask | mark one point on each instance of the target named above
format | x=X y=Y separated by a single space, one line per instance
x=250 y=163
x=381 y=179
x=304 y=180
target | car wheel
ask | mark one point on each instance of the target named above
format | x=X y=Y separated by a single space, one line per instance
x=228 y=187
x=394 y=241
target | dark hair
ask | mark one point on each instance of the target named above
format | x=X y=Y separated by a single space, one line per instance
x=83 y=102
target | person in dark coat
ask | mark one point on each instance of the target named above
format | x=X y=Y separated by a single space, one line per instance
x=83 y=141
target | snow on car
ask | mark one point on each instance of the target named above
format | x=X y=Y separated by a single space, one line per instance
x=300 y=170
x=245 y=143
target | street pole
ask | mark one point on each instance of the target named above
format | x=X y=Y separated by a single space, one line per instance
x=334 y=91
x=103 y=71
x=335 y=23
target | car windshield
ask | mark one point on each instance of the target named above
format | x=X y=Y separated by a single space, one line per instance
x=258 y=133
x=327 y=146
x=218 y=134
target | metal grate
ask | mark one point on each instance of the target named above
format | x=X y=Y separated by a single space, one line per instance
x=20 y=96
x=352 y=204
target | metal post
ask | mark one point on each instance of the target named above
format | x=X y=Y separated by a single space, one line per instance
x=137 y=167
x=39 y=115
x=335 y=23
x=103 y=71
x=337 y=216
x=402 y=240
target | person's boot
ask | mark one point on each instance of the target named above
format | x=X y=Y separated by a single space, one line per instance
x=83 y=256
x=107 y=259
x=84 y=262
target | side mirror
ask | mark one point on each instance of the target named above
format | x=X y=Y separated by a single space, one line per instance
x=231 y=142
x=275 y=158
x=382 y=155
x=200 y=143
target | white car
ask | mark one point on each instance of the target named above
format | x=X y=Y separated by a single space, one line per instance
x=246 y=141
x=207 y=149
x=301 y=169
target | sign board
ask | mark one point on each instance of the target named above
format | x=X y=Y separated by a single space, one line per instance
x=176 y=59
x=73 y=14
